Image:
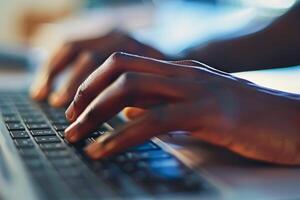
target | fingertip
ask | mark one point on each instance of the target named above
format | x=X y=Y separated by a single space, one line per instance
x=71 y=133
x=70 y=113
x=57 y=99
x=94 y=151
x=33 y=93
x=38 y=93
x=132 y=113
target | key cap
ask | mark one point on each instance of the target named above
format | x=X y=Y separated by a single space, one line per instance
x=11 y=119
x=62 y=163
x=60 y=127
x=24 y=143
x=47 y=139
x=28 y=120
x=15 y=126
x=29 y=153
x=37 y=126
x=95 y=134
x=155 y=154
x=169 y=172
x=19 y=134
x=69 y=173
x=57 y=154
x=144 y=147
x=8 y=112
x=35 y=163
x=61 y=120
x=31 y=115
x=45 y=132
x=52 y=146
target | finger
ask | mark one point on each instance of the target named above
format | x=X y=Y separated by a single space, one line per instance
x=119 y=63
x=127 y=91
x=43 y=82
x=85 y=64
x=133 y=113
x=155 y=122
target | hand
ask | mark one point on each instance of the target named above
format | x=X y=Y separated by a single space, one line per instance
x=214 y=106
x=84 y=56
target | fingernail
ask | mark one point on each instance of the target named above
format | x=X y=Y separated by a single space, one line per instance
x=71 y=133
x=38 y=90
x=95 y=151
x=70 y=114
x=34 y=92
x=100 y=148
x=56 y=99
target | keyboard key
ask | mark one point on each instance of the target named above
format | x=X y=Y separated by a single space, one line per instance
x=19 y=134
x=60 y=127
x=24 y=143
x=35 y=163
x=45 y=132
x=57 y=154
x=31 y=115
x=47 y=139
x=52 y=146
x=164 y=163
x=8 y=112
x=25 y=110
x=168 y=172
x=95 y=134
x=28 y=120
x=15 y=126
x=29 y=153
x=32 y=126
x=11 y=119
x=63 y=163
x=69 y=173
x=156 y=154
x=61 y=120
x=144 y=147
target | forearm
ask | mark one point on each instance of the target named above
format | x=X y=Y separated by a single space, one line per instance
x=276 y=46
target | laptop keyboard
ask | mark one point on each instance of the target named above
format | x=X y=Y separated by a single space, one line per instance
x=37 y=131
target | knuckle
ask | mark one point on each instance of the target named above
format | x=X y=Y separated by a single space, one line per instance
x=158 y=117
x=128 y=85
x=116 y=60
x=88 y=57
x=118 y=57
x=90 y=116
x=128 y=80
x=189 y=62
x=193 y=62
x=81 y=93
x=70 y=45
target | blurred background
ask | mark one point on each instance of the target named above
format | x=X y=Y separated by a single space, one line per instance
x=33 y=28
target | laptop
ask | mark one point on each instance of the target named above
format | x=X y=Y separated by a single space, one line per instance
x=36 y=162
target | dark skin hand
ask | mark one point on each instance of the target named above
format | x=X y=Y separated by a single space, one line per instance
x=256 y=51
x=278 y=45
x=215 y=107
x=83 y=56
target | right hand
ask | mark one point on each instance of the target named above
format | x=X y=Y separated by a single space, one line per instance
x=84 y=56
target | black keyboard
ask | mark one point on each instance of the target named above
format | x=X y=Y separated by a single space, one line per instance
x=37 y=131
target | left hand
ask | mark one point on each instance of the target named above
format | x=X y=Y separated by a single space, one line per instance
x=214 y=106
